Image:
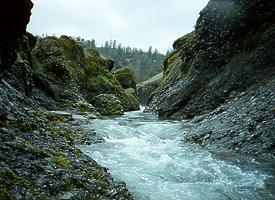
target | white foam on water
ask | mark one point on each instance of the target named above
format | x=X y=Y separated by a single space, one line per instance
x=146 y=155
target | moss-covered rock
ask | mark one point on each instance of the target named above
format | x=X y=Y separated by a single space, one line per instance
x=66 y=71
x=125 y=77
x=95 y=64
x=108 y=104
x=62 y=56
x=83 y=106
x=38 y=156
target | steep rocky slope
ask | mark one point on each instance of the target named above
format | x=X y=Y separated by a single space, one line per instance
x=224 y=72
x=38 y=156
x=145 y=89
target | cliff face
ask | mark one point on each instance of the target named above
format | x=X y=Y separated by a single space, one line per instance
x=14 y=17
x=38 y=157
x=228 y=57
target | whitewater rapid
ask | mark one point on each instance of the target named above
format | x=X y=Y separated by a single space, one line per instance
x=147 y=154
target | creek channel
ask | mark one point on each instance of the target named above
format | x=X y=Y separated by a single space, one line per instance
x=148 y=154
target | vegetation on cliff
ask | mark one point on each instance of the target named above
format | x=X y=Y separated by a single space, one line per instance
x=144 y=63
x=39 y=159
x=74 y=73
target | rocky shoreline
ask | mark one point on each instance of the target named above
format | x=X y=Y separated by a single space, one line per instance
x=39 y=159
x=221 y=78
x=47 y=85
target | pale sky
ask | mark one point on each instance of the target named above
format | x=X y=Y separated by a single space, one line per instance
x=137 y=23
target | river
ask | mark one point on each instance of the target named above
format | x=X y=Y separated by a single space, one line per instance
x=147 y=153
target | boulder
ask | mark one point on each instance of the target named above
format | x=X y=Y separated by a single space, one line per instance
x=83 y=106
x=108 y=104
x=58 y=115
x=125 y=77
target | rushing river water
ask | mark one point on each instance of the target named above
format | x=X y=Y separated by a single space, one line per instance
x=146 y=153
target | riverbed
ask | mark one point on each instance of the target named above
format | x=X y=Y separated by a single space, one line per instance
x=148 y=154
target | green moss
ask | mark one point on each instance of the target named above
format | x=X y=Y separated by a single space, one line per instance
x=40 y=153
x=126 y=77
x=169 y=60
x=6 y=195
x=61 y=56
x=108 y=104
x=18 y=180
x=100 y=84
x=23 y=125
x=151 y=80
x=185 y=69
x=173 y=70
x=61 y=161
x=39 y=114
x=83 y=106
x=59 y=118
x=98 y=176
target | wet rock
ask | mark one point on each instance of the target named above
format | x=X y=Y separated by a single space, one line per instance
x=38 y=157
x=108 y=104
x=83 y=106
x=220 y=64
x=58 y=115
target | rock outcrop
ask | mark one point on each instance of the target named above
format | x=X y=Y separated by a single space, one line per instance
x=67 y=72
x=14 y=17
x=146 y=89
x=108 y=104
x=38 y=154
x=229 y=58
x=126 y=77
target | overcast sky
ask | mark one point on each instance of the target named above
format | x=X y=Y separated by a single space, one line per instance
x=137 y=23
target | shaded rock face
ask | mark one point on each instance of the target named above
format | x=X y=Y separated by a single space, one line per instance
x=39 y=159
x=231 y=51
x=14 y=17
x=146 y=89
x=20 y=74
